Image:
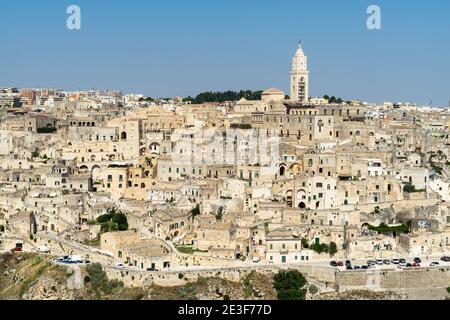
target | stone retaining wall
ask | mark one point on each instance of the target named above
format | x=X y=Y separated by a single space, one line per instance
x=139 y=278
x=433 y=277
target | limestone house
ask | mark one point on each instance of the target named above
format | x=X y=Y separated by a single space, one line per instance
x=329 y=217
x=168 y=171
x=270 y=211
x=415 y=160
x=65 y=177
x=163 y=192
x=431 y=217
x=130 y=135
x=374 y=246
x=88 y=130
x=323 y=234
x=171 y=223
x=258 y=240
x=203 y=219
x=113 y=242
x=55 y=211
x=215 y=235
x=272 y=95
x=152 y=254
x=423 y=242
x=33 y=122
x=442 y=188
x=115 y=180
x=285 y=246
x=20 y=224
x=247 y=107
x=418 y=177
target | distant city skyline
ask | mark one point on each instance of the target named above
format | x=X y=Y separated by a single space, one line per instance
x=181 y=48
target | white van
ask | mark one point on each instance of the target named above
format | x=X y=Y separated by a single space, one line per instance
x=43 y=249
x=75 y=259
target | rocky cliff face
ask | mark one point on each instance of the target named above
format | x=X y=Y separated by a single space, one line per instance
x=47 y=288
x=30 y=276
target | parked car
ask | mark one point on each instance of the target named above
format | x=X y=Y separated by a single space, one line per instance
x=340 y=264
x=371 y=263
x=364 y=267
x=402 y=260
x=387 y=262
x=445 y=259
x=120 y=265
x=356 y=267
x=379 y=262
x=333 y=264
x=58 y=260
x=417 y=260
x=395 y=261
x=349 y=268
x=409 y=265
x=416 y=265
x=434 y=264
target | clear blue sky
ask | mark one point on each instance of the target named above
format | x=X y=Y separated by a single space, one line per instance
x=183 y=47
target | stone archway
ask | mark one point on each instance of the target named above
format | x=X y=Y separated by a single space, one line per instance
x=282 y=171
x=95 y=172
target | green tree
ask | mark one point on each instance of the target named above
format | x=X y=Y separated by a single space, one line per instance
x=333 y=248
x=320 y=248
x=196 y=211
x=113 y=220
x=437 y=169
x=409 y=188
x=219 y=214
x=209 y=96
x=46 y=130
x=305 y=243
x=290 y=285
x=99 y=280
x=385 y=229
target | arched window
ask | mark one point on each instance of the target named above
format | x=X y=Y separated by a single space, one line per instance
x=123 y=136
x=320 y=124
